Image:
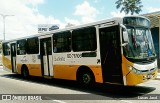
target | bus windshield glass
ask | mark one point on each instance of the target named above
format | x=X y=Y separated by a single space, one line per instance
x=140 y=45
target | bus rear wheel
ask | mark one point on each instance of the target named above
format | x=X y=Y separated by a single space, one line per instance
x=86 y=79
x=25 y=72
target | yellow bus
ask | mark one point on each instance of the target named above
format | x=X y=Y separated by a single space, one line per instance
x=117 y=51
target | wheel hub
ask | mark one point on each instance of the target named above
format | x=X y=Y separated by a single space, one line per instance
x=86 y=78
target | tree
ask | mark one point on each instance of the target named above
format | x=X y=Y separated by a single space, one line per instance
x=127 y=6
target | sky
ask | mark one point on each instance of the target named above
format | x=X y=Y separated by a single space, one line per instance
x=27 y=14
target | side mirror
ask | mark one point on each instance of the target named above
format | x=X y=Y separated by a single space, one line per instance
x=124 y=34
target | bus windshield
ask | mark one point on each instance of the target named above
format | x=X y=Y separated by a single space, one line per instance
x=140 y=45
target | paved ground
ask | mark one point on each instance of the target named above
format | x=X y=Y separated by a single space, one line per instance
x=61 y=91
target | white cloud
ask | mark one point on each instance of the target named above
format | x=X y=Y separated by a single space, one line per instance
x=33 y=2
x=96 y=1
x=117 y=14
x=72 y=21
x=86 y=11
x=150 y=6
x=152 y=9
x=25 y=19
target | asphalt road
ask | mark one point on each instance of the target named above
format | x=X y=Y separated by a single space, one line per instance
x=62 y=91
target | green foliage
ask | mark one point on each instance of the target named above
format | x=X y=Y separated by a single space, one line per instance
x=127 y=6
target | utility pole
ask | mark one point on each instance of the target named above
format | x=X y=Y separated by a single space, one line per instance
x=4 y=16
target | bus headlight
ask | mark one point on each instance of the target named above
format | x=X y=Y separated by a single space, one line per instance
x=136 y=70
x=131 y=68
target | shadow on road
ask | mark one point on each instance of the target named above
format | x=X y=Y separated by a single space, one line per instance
x=104 y=91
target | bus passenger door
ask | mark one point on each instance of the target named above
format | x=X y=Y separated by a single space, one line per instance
x=110 y=54
x=46 y=56
x=13 y=57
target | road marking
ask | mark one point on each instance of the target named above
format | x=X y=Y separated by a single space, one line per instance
x=126 y=101
x=59 y=101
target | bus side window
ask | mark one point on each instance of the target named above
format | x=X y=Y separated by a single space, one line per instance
x=6 y=49
x=21 y=47
x=33 y=45
x=55 y=48
x=62 y=42
x=84 y=39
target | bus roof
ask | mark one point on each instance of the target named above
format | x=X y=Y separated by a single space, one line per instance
x=116 y=21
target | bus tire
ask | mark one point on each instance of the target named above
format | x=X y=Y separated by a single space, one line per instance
x=25 y=72
x=85 y=78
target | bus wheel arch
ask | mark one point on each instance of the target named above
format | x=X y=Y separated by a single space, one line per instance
x=24 y=71
x=85 y=76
